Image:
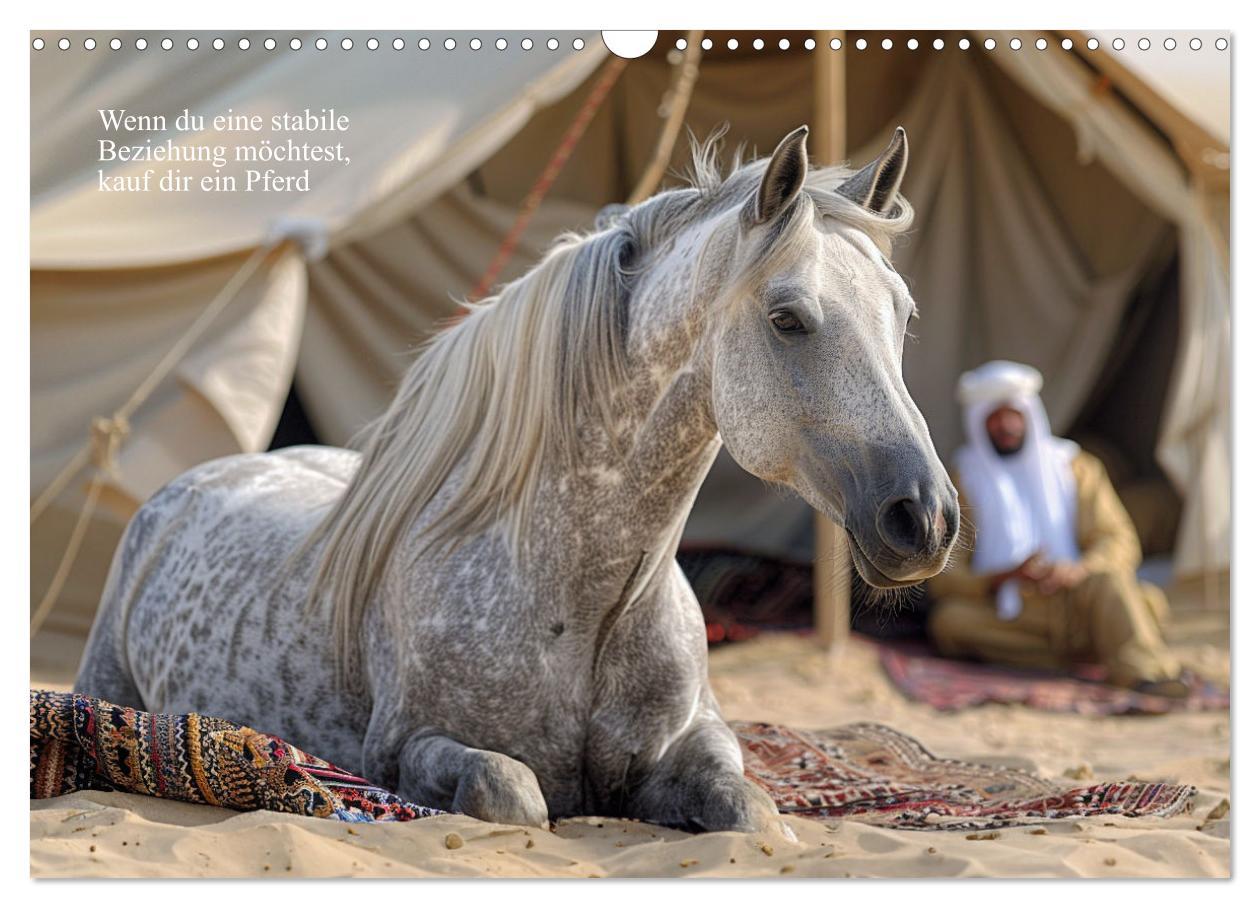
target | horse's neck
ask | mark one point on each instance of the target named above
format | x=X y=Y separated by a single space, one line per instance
x=647 y=480
x=619 y=514
x=667 y=437
x=624 y=503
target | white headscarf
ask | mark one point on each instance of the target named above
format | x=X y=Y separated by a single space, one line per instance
x=1024 y=502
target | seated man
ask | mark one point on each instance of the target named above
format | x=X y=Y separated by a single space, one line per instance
x=1050 y=576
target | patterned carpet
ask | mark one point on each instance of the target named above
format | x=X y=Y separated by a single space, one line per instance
x=81 y=743
x=877 y=775
x=863 y=772
x=949 y=684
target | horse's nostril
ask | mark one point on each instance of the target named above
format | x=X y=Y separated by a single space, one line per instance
x=903 y=525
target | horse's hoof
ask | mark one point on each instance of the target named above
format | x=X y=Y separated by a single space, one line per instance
x=498 y=789
x=738 y=806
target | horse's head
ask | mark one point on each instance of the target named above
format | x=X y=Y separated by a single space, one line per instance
x=807 y=383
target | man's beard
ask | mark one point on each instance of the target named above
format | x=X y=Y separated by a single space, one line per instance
x=1010 y=451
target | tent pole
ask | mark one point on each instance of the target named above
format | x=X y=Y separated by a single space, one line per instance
x=679 y=97
x=827 y=146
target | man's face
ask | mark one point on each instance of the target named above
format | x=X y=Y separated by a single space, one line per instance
x=1006 y=430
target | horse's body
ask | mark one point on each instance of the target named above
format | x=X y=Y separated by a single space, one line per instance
x=516 y=639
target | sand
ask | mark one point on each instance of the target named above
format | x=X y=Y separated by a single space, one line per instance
x=779 y=678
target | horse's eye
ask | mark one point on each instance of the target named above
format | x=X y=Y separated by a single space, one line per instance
x=785 y=322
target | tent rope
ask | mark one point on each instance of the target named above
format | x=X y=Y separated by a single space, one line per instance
x=168 y=362
x=599 y=91
x=108 y=433
x=106 y=437
x=679 y=99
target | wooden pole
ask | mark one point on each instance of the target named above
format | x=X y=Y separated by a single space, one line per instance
x=827 y=140
x=827 y=146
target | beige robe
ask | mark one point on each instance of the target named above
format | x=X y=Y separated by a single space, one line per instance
x=1110 y=617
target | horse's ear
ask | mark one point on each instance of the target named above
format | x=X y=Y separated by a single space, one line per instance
x=782 y=181
x=875 y=186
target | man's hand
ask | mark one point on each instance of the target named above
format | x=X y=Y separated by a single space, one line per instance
x=1061 y=576
x=1032 y=569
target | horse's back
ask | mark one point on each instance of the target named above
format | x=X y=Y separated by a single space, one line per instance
x=205 y=607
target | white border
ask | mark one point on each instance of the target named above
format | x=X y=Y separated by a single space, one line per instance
x=572 y=14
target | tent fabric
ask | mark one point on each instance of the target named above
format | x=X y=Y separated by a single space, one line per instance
x=989 y=251
x=1189 y=82
x=1194 y=441
x=96 y=335
x=117 y=278
x=418 y=121
x=373 y=302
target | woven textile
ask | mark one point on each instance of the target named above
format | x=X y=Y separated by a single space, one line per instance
x=948 y=684
x=874 y=774
x=80 y=742
x=862 y=772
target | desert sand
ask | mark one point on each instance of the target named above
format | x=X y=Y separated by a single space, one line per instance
x=779 y=678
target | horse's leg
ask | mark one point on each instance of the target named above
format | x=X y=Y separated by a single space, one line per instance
x=699 y=784
x=439 y=772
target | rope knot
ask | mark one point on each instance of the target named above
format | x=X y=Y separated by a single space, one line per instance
x=107 y=437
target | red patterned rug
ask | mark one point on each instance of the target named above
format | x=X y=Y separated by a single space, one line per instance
x=874 y=774
x=950 y=684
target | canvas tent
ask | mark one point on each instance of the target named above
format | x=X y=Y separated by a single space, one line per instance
x=1045 y=198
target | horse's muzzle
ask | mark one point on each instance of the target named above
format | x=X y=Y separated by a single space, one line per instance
x=909 y=539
